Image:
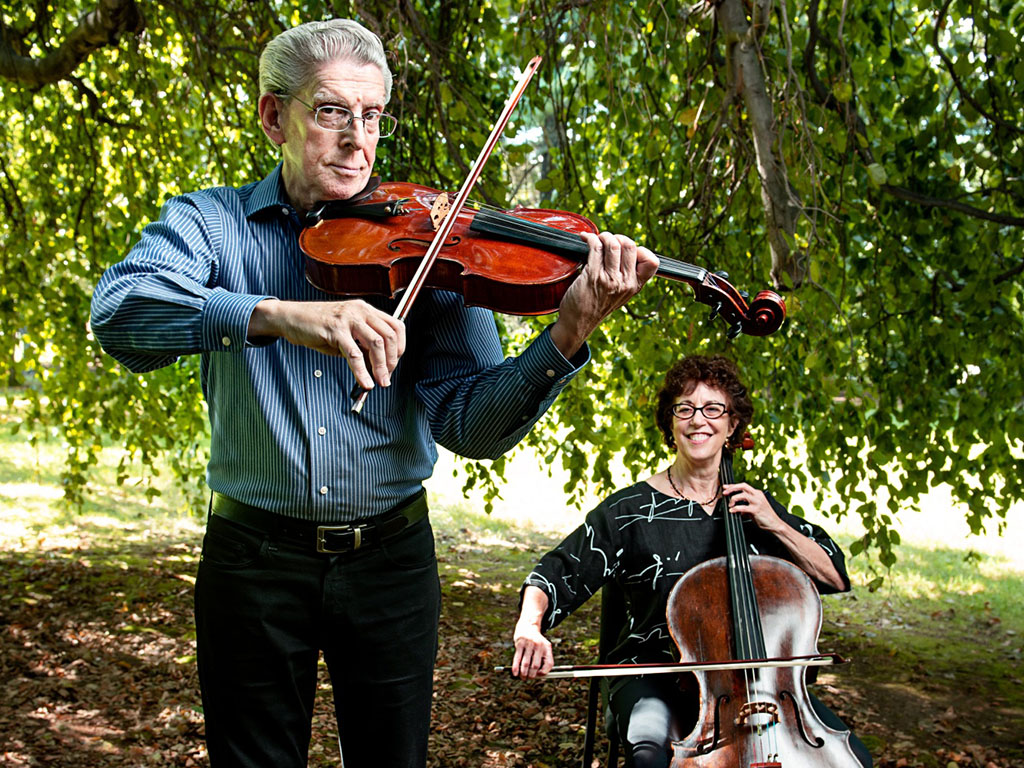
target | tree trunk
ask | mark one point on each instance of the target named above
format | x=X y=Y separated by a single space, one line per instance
x=781 y=207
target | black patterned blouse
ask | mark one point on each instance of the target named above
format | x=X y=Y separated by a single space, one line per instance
x=643 y=541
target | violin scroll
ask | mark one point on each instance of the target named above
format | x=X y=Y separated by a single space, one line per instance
x=767 y=311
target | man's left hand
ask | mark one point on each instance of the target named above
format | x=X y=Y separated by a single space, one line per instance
x=616 y=270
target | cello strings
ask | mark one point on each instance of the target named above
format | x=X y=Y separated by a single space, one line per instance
x=736 y=596
x=750 y=640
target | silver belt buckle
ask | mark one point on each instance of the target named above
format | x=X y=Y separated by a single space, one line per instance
x=321 y=541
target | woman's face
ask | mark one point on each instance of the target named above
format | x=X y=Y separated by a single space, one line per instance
x=699 y=438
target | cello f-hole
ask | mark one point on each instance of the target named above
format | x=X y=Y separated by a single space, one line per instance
x=703 y=750
x=816 y=742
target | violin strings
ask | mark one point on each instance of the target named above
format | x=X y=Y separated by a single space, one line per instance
x=522 y=229
x=495 y=221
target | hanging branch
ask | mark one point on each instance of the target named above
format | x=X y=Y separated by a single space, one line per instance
x=96 y=29
x=964 y=92
x=853 y=120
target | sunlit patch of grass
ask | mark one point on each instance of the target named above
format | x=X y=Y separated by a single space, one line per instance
x=35 y=517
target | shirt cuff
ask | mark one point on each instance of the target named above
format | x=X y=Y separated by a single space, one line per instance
x=544 y=586
x=226 y=317
x=544 y=366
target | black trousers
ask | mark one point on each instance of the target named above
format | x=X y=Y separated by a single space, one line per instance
x=264 y=610
x=650 y=712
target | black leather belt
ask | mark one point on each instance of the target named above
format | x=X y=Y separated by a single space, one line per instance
x=329 y=539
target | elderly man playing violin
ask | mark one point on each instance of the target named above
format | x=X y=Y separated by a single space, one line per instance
x=318 y=537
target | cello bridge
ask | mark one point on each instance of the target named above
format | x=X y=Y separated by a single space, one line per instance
x=758 y=714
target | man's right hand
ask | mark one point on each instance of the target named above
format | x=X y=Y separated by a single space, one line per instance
x=371 y=341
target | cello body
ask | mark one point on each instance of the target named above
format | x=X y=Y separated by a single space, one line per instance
x=756 y=718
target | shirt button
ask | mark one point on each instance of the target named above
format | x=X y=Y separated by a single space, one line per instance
x=549 y=372
x=323 y=490
x=321 y=430
x=318 y=373
x=286 y=212
x=226 y=341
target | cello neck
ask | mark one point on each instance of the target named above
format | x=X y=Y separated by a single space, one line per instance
x=748 y=636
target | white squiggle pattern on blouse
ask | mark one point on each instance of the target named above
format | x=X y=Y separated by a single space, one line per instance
x=655 y=510
x=659 y=632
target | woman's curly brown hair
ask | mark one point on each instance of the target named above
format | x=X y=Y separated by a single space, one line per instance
x=715 y=371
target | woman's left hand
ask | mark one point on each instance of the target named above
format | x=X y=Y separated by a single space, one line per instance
x=749 y=501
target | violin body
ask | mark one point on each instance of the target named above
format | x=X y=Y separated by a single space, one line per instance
x=359 y=256
x=756 y=718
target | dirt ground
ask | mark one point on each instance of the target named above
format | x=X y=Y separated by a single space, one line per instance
x=97 y=669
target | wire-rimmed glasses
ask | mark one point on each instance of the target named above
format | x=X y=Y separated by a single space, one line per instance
x=335 y=118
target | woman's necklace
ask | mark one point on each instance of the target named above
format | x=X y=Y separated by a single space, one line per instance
x=679 y=493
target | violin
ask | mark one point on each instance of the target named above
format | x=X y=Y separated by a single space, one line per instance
x=751 y=607
x=518 y=262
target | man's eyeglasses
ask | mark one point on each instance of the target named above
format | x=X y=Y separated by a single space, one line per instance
x=332 y=117
x=708 y=410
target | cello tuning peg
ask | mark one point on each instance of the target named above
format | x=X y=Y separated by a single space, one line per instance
x=734 y=330
x=715 y=309
x=722 y=274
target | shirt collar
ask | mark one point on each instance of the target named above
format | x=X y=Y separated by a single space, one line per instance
x=268 y=194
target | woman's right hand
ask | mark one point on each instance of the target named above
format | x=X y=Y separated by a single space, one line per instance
x=533 y=651
x=533 y=656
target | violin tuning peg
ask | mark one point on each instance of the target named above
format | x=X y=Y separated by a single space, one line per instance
x=722 y=274
x=744 y=295
x=315 y=216
x=734 y=330
x=715 y=309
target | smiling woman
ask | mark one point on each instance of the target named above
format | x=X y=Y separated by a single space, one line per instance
x=643 y=538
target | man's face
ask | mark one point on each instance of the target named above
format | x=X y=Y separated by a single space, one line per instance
x=320 y=164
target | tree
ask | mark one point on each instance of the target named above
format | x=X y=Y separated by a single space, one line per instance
x=865 y=161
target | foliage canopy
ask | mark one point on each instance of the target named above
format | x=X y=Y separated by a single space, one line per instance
x=866 y=161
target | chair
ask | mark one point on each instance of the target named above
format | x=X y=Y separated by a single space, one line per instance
x=613 y=619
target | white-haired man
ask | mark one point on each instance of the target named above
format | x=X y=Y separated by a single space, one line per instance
x=318 y=537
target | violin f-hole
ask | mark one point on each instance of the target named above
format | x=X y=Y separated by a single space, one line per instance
x=393 y=245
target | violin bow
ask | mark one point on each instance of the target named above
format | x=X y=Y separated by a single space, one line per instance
x=419 y=279
x=621 y=670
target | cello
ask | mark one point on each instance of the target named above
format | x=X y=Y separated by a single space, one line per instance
x=751 y=607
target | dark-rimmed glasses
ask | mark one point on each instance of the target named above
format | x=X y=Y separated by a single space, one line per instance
x=708 y=410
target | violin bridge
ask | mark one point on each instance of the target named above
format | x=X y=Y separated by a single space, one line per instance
x=439 y=210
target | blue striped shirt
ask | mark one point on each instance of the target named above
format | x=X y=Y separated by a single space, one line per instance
x=283 y=436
